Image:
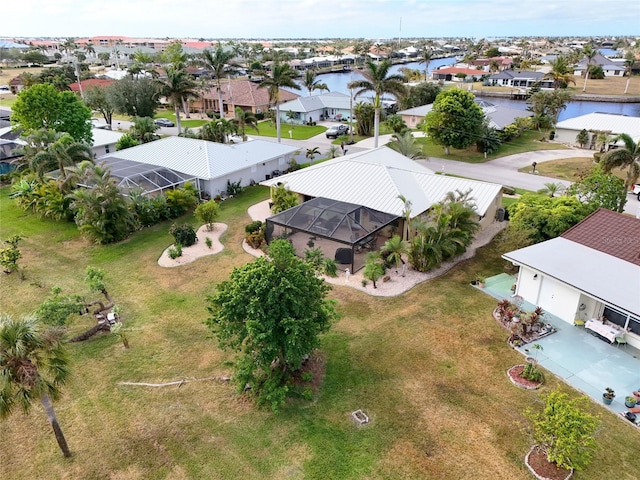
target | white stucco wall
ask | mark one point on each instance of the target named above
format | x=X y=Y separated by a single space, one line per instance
x=549 y=294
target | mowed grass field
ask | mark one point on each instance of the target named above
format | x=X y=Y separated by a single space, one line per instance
x=428 y=367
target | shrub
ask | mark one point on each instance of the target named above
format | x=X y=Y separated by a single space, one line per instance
x=330 y=267
x=207 y=213
x=532 y=373
x=10 y=255
x=175 y=252
x=184 y=234
x=315 y=258
x=208 y=242
x=234 y=188
x=253 y=227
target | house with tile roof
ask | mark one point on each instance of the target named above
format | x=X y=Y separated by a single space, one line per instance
x=591 y=271
x=90 y=83
x=238 y=93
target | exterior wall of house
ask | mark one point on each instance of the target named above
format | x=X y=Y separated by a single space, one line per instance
x=100 y=150
x=566 y=136
x=548 y=293
x=412 y=120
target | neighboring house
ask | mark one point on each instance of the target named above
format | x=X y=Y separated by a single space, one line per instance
x=594 y=123
x=16 y=84
x=10 y=146
x=497 y=115
x=452 y=74
x=413 y=116
x=211 y=164
x=238 y=93
x=503 y=63
x=591 y=271
x=519 y=79
x=326 y=106
x=609 y=67
x=104 y=141
x=90 y=83
x=382 y=174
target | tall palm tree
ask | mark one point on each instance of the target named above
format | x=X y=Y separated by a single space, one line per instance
x=378 y=80
x=243 y=120
x=282 y=75
x=89 y=49
x=590 y=53
x=627 y=157
x=178 y=86
x=310 y=83
x=629 y=61
x=221 y=63
x=33 y=365
x=426 y=54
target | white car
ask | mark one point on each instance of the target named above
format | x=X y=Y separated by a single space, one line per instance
x=235 y=139
x=636 y=190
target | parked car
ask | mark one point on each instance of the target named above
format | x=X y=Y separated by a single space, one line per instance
x=336 y=131
x=636 y=190
x=164 y=122
x=235 y=139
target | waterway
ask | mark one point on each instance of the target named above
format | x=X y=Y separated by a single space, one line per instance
x=337 y=82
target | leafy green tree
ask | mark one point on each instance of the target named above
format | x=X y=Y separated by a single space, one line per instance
x=56 y=309
x=492 y=52
x=455 y=120
x=582 y=138
x=245 y=119
x=33 y=365
x=378 y=80
x=34 y=56
x=272 y=312
x=282 y=198
x=282 y=75
x=178 y=87
x=396 y=123
x=421 y=94
x=136 y=97
x=565 y=430
x=548 y=216
x=311 y=83
x=101 y=99
x=126 y=141
x=600 y=190
x=546 y=106
x=144 y=130
x=627 y=157
x=207 y=212
x=42 y=106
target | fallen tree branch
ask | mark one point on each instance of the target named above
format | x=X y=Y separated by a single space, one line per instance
x=178 y=382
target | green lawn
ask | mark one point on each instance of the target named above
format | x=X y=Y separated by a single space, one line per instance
x=7 y=100
x=184 y=122
x=428 y=367
x=569 y=168
x=529 y=141
x=298 y=132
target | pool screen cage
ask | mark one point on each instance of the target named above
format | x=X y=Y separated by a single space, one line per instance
x=343 y=231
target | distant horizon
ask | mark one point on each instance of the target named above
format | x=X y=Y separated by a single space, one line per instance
x=287 y=20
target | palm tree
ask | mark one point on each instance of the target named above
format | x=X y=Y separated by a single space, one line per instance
x=426 y=54
x=406 y=214
x=63 y=152
x=243 y=120
x=589 y=53
x=144 y=129
x=395 y=248
x=33 y=364
x=373 y=268
x=311 y=153
x=217 y=130
x=627 y=157
x=178 y=87
x=629 y=61
x=220 y=63
x=405 y=144
x=282 y=75
x=378 y=80
x=560 y=73
x=310 y=82
x=551 y=189
x=89 y=48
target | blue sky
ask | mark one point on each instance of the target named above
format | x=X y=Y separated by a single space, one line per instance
x=373 y=19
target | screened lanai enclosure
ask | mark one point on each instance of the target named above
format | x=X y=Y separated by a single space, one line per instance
x=149 y=179
x=342 y=231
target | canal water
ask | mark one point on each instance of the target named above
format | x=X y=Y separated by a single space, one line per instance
x=337 y=82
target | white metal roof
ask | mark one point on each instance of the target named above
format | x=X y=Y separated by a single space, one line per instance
x=597 y=274
x=102 y=136
x=376 y=177
x=608 y=122
x=203 y=159
x=316 y=102
x=420 y=111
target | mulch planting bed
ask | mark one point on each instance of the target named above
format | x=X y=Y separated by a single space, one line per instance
x=537 y=462
x=514 y=374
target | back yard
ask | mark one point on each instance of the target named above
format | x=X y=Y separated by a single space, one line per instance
x=428 y=367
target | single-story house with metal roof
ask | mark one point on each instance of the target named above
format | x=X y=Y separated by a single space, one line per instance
x=413 y=116
x=104 y=141
x=591 y=271
x=211 y=164
x=457 y=74
x=612 y=123
x=610 y=68
x=326 y=106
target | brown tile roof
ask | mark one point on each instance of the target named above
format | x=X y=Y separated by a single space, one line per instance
x=609 y=232
x=246 y=93
x=90 y=83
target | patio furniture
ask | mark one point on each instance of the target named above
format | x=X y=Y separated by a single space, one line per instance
x=621 y=340
x=344 y=256
x=607 y=331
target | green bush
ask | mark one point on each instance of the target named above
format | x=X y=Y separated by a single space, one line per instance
x=184 y=234
x=330 y=267
x=253 y=227
x=175 y=252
